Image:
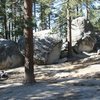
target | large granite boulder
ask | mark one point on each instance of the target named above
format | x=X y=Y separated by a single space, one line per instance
x=47 y=47
x=10 y=55
x=83 y=36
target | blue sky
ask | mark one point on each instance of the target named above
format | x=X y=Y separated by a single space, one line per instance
x=96 y=3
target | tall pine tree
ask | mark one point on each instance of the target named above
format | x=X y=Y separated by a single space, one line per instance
x=28 y=33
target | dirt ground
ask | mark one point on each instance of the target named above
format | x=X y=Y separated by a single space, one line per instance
x=78 y=80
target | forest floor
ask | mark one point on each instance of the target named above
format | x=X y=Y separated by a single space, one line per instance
x=73 y=80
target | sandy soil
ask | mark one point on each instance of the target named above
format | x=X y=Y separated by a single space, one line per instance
x=66 y=81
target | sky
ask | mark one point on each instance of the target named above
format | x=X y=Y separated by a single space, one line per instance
x=95 y=4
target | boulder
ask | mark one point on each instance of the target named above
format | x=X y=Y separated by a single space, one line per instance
x=83 y=36
x=47 y=47
x=10 y=55
x=3 y=75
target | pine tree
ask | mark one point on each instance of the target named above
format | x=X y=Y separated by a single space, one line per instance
x=28 y=33
x=45 y=11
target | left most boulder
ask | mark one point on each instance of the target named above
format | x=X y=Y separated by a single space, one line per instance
x=10 y=55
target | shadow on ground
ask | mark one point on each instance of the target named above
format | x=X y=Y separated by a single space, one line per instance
x=64 y=89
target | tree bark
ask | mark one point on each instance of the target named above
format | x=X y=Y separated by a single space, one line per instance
x=69 y=39
x=9 y=31
x=77 y=10
x=35 y=14
x=69 y=31
x=5 y=26
x=5 y=21
x=87 y=10
x=49 y=20
x=28 y=33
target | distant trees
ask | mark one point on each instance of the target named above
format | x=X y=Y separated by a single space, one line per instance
x=95 y=16
x=11 y=13
x=3 y=15
x=46 y=14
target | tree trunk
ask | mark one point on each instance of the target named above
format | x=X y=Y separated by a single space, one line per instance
x=77 y=10
x=69 y=31
x=87 y=9
x=15 y=11
x=49 y=20
x=9 y=31
x=35 y=14
x=12 y=23
x=5 y=20
x=69 y=39
x=28 y=33
x=12 y=34
x=5 y=26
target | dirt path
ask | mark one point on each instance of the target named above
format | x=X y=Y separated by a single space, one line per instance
x=54 y=82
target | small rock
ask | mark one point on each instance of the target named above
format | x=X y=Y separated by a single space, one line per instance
x=63 y=60
x=3 y=75
x=98 y=52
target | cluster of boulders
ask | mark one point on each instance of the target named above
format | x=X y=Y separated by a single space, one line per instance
x=47 y=46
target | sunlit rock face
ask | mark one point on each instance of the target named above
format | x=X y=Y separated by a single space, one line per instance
x=83 y=36
x=10 y=55
x=47 y=47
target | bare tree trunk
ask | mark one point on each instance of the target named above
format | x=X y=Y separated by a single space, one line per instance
x=69 y=31
x=35 y=13
x=5 y=20
x=28 y=33
x=12 y=33
x=69 y=39
x=9 y=30
x=87 y=9
x=77 y=10
x=15 y=11
x=49 y=20
x=12 y=23
x=5 y=26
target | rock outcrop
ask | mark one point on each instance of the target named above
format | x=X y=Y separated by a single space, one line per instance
x=10 y=55
x=47 y=47
x=83 y=37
